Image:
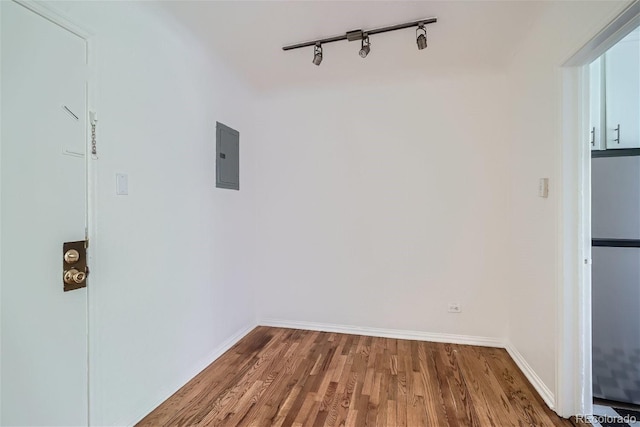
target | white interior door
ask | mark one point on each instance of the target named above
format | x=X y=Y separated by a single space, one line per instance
x=43 y=204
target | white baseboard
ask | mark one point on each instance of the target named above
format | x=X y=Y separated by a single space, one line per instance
x=385 y=333
x=531 y=375
x=199 y=367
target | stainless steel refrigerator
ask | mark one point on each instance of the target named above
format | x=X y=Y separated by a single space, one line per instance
x=615 y=183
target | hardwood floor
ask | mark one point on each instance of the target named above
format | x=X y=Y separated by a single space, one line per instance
x=289 y=377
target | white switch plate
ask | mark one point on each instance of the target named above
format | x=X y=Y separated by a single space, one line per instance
x=122 y=184
x=543 y=188
x=454 y=307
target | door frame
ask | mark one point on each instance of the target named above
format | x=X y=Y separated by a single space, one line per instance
x=58 y=18
x=574 y=394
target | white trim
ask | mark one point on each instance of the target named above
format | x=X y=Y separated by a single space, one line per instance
x=167 y=392
x=573 y=358
x=92 y=166
x=0 y=234
x=622 y=25
x=53 y=15
x=531 y=375
x=385 y=333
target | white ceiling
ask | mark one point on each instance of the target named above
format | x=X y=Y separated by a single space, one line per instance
x=249 y=35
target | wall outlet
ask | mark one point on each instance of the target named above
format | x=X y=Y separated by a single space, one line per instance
x=543 y=188
x=454 y=307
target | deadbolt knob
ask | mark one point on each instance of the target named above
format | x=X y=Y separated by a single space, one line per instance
x=71 y=256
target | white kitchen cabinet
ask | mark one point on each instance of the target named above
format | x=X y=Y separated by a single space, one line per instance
x=622 y=88
x=596 y=107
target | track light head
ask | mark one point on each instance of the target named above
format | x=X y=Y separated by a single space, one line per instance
x=421 y=37
x=366 y=47
x=317 y=54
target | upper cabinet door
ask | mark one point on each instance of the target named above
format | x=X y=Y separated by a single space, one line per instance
x=596 y=110
x=623 y=93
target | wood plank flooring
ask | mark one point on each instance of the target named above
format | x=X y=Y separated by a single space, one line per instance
x=290 y=377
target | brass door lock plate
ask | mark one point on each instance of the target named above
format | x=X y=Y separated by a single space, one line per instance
x=74 y=265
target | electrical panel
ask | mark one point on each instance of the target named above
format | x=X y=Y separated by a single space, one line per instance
x=227 y=157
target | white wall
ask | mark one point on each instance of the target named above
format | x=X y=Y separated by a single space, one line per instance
x=535 y=89
x=380 y=202
x=170 y=283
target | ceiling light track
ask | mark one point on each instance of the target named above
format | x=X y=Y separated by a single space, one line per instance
x=361 y=34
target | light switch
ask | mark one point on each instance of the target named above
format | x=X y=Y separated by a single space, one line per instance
x=543 y=188
x=122 y=184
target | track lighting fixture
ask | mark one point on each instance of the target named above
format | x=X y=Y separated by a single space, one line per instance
x=366 y=47
x=317 y=54
x=421 y=38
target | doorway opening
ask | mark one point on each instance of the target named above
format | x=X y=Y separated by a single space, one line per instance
x=595 y=91
x=614 y=82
